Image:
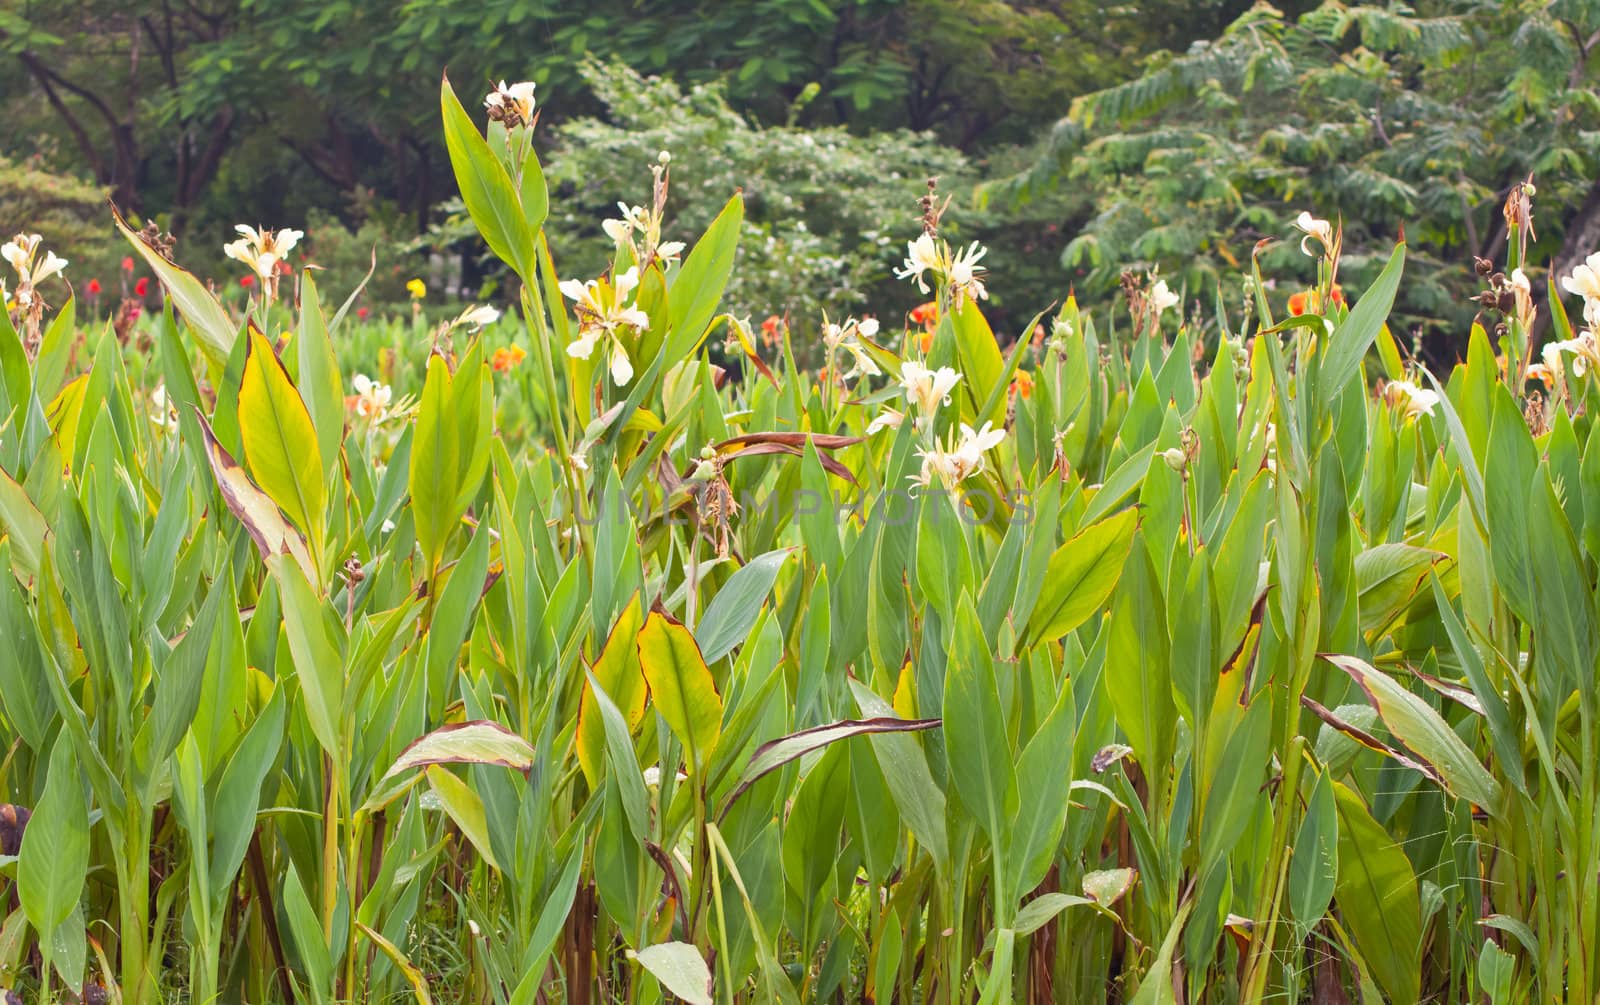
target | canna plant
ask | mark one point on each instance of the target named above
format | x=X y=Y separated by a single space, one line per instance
x=1154 y=661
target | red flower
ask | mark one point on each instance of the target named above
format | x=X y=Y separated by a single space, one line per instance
x=284 y=268
x=142 y=287
x=93 y=288
x=362 y=312
x=127 y=264
x=769 y=327
x=247 y=281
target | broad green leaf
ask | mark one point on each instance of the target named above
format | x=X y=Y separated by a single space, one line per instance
x=1350 y=341
x=681 y=686
x=1377 y=896
x=23 y=525
x=272 y=534
x=976 y=745
x=733 y=611
x=486 y=187
x=1081 y=575
x=1314 y=864
x=317 y=662
x=465 y=808
x=776 y=753
x=1138 y=665
x=905 y=769
x=698 y=286
x=54 y=859
x=319 y=373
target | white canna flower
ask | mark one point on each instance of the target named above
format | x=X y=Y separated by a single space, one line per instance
x=22 y=252
x=1312 y=227
x=965 y=273
x=372 y=398
x=1162 y=297
x=1409 y=398
x=163 y=410
x=868 y=327
x=474 y=318
x=922 y=256
x=387 y=528
x=602 y=314
x=263 y=249
x=955 y=462
x=927 y=389
x=1583 y=348
x=1585 y=279
x=887 y=419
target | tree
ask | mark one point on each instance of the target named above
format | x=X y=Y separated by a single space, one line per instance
x=1385 y=116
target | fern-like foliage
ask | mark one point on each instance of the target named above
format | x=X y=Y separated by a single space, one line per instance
x=1384 y=115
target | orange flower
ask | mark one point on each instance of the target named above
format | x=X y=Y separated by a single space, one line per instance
x=505 y=359
x=1308 y=302
x=769 y=327
x=1022 y=383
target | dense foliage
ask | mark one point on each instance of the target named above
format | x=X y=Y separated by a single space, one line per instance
x=556 y=663
x=1391 y=117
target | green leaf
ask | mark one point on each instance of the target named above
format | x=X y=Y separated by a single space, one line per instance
x=54 y=858
x=979 y=753
x=465 y=808
x=905 y=769
x=681 y=686
x=733 y=611
x=317 y=662
x=487 y=189
x=1314 y=864
x=1377 y=896
x=23 y=525
x=1156 y=988
x=618 y=674
x=776 y=753
x=280 y=443
x=697 y=289
x=1081 y=575
x=1138 y=665
x=1350 y=341
x=319 y=373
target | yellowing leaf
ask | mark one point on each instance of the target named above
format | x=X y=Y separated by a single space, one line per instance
x=681 y=685
x=280 y=442
x=476 y=742
x=619 y=675
x=272 y=534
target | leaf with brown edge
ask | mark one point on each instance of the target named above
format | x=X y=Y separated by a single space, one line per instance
x=1423 y=732
x=618 y=671
x=198 y=307
x=1367 y=740
x=822 y=441
x=775 y=754
x=266 y=525
x=831 y=465
x=479 y=741
x=414 y=977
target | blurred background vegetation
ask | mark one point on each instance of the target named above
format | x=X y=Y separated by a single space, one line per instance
x=1078 y=139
